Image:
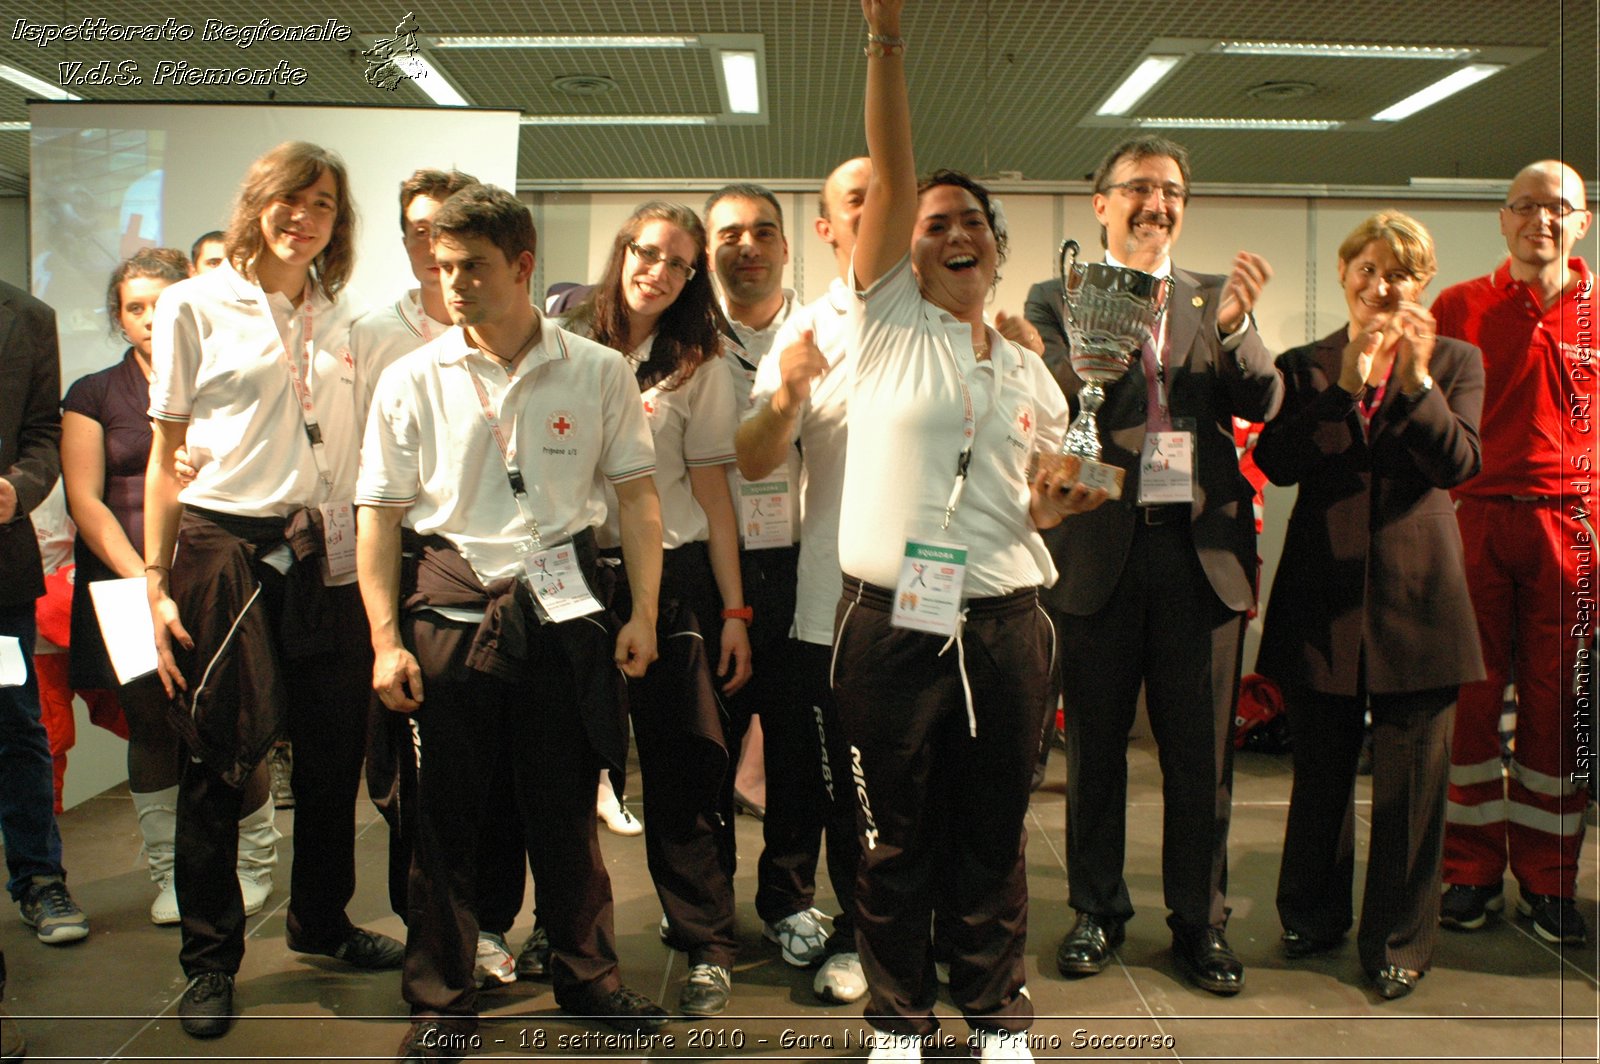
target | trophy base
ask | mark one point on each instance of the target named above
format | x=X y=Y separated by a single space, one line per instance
x=1101 y=475
x=1086 y=471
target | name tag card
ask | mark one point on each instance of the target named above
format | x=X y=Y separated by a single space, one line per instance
x=927 y=597
x=1167 y=466
x=339 y=538
x=123 y=610
x=559 y=591
x=13 y=666
x=766 y=513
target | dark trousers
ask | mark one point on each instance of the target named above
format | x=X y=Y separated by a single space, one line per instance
x=1166 y=628
x=326 y=718
x=686 y=754
x=392 y=784
x=1410 y=772
x=469 y=720
x=27 y=797
x=808 y=754
x=939 y=809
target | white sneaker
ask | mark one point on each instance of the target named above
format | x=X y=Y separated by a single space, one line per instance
x=801 y=936
x=495 y=966
x=1002 y=1045
x=840 y=979
x=255 y=887
x=164 y=910
x=886 y=1046
x=619 y=821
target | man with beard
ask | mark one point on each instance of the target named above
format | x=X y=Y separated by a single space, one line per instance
x=1154 y=586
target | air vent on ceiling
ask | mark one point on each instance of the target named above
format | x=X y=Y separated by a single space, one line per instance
x=583 y=84
x=1281 y=90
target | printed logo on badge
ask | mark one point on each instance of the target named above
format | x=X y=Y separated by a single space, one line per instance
x=560 y=425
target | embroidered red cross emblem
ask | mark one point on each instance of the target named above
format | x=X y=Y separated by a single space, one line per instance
x=1025 y=421
x=561 y=425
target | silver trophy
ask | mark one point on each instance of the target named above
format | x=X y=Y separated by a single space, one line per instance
x=1111 y=313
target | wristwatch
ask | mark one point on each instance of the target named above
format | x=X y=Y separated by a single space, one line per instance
x=743 y=613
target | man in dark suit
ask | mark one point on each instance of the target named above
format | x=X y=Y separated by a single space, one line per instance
x=30 y=461
x=1154 y=586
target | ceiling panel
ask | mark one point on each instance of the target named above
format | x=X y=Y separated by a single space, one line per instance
x=997 y=85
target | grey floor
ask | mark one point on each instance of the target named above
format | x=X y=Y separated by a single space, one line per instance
x=1500 y=994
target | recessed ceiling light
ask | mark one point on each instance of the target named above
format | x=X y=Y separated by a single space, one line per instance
x=1343 y=51
x=617 y=120
x=37 y=86
x=1303 y=125
x=739 y=74
x=583 y=84
x=561 y=41
x=427 y=77
x=1445 y=87
x=1145 y=76
x=15 y=127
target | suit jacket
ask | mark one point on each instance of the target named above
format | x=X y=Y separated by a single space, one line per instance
x=30 y=434
x=1209 y=385
x=1043 y=309
x=1372 y=565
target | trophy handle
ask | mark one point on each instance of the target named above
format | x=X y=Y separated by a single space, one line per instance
x=1068 y=258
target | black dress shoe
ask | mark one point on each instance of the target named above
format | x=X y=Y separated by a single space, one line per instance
x=435 y=1040
x=1088 y=946
x=1393 y=981
x=1206 y=959
x=361 y=948
x=1297 y=945
x=622 y=1008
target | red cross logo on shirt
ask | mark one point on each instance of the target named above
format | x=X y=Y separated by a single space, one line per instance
x=1025 y=419
x=649 y=408
x=561 y=424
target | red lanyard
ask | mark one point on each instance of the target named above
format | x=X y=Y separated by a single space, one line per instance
x=301 y=383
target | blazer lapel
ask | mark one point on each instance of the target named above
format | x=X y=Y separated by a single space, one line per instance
x=1183 y=318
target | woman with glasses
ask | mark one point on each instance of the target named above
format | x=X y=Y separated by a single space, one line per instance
x=1369 y=611
x=259 y=626
x=942 y=651
x=654 y=303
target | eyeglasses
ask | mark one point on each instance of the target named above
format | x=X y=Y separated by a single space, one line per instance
x=1145 y=189
x=1524 y=208
x=650 y=256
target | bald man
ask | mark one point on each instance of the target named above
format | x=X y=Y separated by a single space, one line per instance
x=1525 y=525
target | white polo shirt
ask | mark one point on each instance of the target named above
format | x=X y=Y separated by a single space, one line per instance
x=821 y=430
x=692 y=426
x=904 y=357
x=380 y=336
x=219 y=367
x=757 y=345
x=571 y=414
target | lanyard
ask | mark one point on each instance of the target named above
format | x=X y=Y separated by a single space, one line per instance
x=1368 y=404
x=1156 y=368
x=969 y=429
x=508 y=454
x=302 y=389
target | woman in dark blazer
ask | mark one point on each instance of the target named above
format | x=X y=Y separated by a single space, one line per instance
x=1369 y=610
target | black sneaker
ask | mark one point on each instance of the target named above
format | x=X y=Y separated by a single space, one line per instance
x=361 y=948
x=1466 y=908
x=623 y=1008
x=1555 y=919
x=707 y=991
x=206 y=1010
x=533 y=960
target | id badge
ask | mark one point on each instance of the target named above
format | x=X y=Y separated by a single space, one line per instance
x=339 y=539
x=1167 y=466
x=927 y=597
x=560 y=592
x=766 y=511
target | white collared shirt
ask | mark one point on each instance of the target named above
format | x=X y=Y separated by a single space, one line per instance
x=691 y=426
x=820 y=427
x=218 y=366
x=904 y=355
x=382 y=335
x=572 y=416
x=759 y=347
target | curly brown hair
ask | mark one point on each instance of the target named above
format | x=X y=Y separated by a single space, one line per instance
x=165 y=264
x=290 y=167
x=688 y=332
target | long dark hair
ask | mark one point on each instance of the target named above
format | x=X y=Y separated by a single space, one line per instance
x=687 y=333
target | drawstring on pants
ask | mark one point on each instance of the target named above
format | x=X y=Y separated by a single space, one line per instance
x=961 y=667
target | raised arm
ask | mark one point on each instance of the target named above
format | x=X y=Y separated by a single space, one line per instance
x=890 y=213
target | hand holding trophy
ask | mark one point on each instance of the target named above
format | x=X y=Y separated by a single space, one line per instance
x=1110 y=312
